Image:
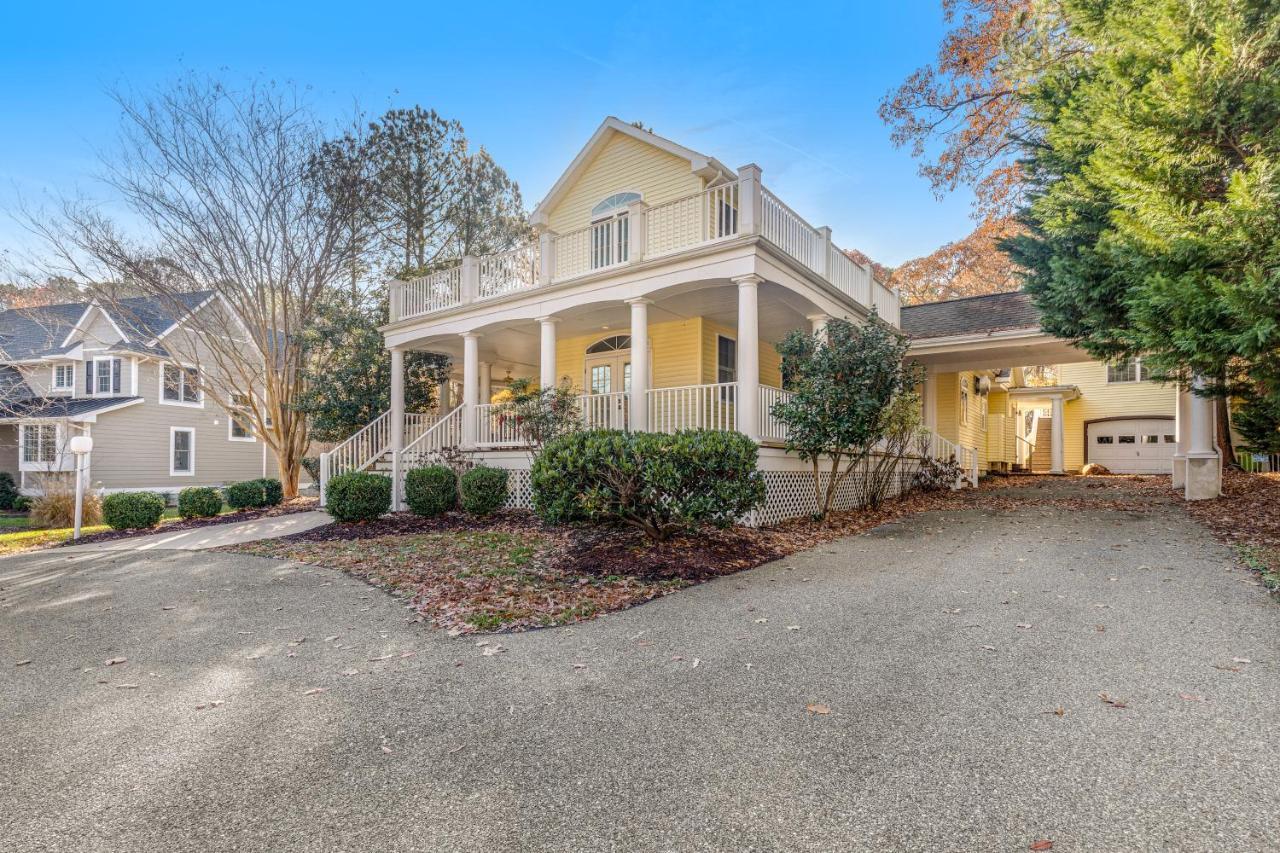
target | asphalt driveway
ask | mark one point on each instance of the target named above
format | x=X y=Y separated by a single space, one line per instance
x=943 y=647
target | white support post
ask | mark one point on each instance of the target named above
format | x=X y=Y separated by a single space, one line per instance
x=930 y=395
x=324 y=476
x=1204 y=468
x=1181 y=430
x=639 y=402
x=747 y=400
x=486 y=381
x=637 y=232
x=1056 y=448
x=824 y=252
x=546 y=257
x=444 y=397
x=470 y=389
x=470 y=284
x=547 y=352
x=818 y=324
x=395 y=297
x=397 y=427
x=750 y=200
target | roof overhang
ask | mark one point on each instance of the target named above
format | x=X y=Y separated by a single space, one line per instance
x=992 y=350
x=701 y=165
x=88 y=417
x=1046 y=392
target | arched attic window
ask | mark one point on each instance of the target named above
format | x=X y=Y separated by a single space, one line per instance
x=613 y=205
x=613 y=344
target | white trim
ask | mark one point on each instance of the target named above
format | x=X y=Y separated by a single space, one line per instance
x=53 y=377
x=700 y=164
x=133 y=377
x=178 y=322
x=179 y=402
x=40 y=465
x=77 y=327
x=110 y=392
x=174 y=430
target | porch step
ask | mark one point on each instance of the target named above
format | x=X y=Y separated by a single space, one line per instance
x=1042 y=456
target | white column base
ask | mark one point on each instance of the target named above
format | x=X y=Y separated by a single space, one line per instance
x=1179 y=470
x=1203 y=477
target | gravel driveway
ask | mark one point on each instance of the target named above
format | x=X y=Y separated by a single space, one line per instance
x=944 y=648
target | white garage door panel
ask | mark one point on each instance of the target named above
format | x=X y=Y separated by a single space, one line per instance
x=1133 y=446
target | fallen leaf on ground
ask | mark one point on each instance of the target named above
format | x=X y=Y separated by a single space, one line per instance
x=490 y=651
x=1226 y=668
x=1190 y=697
x=1241 y=660
x=793 y=627
x=696 y=661
x=989 y=648
x=350 y=672
x=23 y=662
x=330 y=639
x=1114 y=703
x=314 y=690
x=115 y=661
x=761 y=621
x=216 y=703
x=381 y=657
x=126 y=687
x=1023 y=626
x=1042 y=844
x=815 y=708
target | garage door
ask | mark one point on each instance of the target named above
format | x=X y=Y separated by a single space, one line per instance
x=1132 y=446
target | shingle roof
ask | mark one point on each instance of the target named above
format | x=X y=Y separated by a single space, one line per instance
x=970 y=316
x=59 y=407
x=32 y=332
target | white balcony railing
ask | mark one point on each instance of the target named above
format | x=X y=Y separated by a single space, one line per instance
x=724 y=212
x=496 y=426
x=605 y=411
x=693 y=407
x=772 y=429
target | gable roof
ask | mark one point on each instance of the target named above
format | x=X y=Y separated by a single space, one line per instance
x=29 y=333
x=971 y=315
x=61 y=407
x=699 y=164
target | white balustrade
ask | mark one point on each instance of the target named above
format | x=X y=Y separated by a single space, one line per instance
x=849 y=276
x=692 y=221
x=596 y=247
x=497 y=426
x=605 y=411
x=509 y=271
x=693 y=407
x=428 y=293
x=787 y=230
x=772 y=429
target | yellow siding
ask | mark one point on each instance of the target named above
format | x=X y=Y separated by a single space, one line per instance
x=623 y=164
x=971 y=434
x=948 y=399
x=1099 y=399
x=770 y=361
x=674 y=347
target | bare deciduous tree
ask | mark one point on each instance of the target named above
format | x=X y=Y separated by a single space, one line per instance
x=220 y=191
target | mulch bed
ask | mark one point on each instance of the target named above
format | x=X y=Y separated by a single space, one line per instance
x=178 y=525
x=1247 y=517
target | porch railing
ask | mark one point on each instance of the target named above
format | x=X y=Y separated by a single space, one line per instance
x=693 y=407
x=723 y=212
x=496 y=426
x=772 y=429
x=369 y=444
x=605 y=411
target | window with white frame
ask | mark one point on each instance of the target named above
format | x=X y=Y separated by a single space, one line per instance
x=964 y=399
x=610 y=230
x=180 y=385
x=1129 y=370
x=240 y=421
x=182 y=451
x=64 y=377
x=103 y=376
x=39 y=443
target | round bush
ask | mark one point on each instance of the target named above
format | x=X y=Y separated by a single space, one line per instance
x=431 y=490
x=358 y=496
x=8 y=491
x=484 y=490
x=132 y=510
x=272 y=491
x=22 y=503
x=199 y=502
x=244 y=495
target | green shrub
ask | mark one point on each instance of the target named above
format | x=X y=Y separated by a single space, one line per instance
x=658 y=483
x=431 y=490
x=483 y=490
x=8 y=491
x=22 y=503
x=272 y=491
x=254 y=494
x=199 y=502
x=132 y=510
x=358 y=496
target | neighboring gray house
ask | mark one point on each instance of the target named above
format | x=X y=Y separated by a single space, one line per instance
x=87 y=368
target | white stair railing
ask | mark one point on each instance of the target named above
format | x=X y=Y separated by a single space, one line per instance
x=445 y=431
x=369 y=444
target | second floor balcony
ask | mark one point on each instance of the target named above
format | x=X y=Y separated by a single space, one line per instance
x=637 y=233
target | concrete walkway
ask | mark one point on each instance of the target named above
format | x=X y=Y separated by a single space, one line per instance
x=212 y=535
x=256 y=705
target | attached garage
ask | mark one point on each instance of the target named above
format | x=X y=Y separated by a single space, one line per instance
x=1131 y=445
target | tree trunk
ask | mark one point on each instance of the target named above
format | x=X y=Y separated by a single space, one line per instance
x=1223 y=421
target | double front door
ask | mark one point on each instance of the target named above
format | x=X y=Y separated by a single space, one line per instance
x=607 y=373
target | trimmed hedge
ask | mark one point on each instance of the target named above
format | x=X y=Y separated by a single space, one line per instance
x=358 y=496
x=484 y=490
x=8 y=491
x=658 y=483
x=132 y=510
x=431 y=490
x=254 y=494
x=199 y=502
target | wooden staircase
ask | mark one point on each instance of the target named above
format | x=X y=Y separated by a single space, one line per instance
x=1042 y=456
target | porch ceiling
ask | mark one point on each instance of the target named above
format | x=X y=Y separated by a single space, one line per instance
x=1014 y=348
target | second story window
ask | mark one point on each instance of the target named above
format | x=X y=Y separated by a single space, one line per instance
x=610 y=231
x=64 y=377
x=1129 y=370
x=102 y=376
x=180 y=385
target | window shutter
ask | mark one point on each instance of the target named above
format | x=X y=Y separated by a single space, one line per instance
x=88 y=377
x=115 y=376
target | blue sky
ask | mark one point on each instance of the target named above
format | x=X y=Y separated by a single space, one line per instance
x=791 y=86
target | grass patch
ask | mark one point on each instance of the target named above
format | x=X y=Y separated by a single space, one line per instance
x=22 y=540
x=1264 y=561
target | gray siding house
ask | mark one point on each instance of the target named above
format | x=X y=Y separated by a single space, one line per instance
x=104 y=371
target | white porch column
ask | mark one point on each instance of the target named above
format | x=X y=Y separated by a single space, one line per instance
x=444 y=397
x=546 y=257
x=1204 y=468
x=547 y=355
x=1181 y=428
x=818 y=323
x=748 y=396
x=1056 y=445
x=639 y=402
x=470 y=388
x=486 y=381
x=750 y=201
x=397 y=425
x=930 y=394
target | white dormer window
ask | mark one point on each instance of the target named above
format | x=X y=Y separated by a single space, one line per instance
x=64 y=377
